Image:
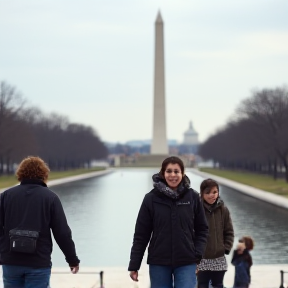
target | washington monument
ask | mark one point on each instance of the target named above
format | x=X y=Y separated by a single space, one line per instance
x=159 y=144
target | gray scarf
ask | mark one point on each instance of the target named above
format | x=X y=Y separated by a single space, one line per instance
x=161 y=185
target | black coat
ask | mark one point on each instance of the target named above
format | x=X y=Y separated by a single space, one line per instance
x=32 y=206
x=178 y=226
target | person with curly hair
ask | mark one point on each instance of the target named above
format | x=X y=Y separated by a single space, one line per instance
x=32 y=168
x=28 y=214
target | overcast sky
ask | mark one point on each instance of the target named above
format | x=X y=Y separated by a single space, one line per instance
x=93 y=60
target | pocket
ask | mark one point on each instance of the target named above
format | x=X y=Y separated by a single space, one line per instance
x=152 y=242
x=189 y=240
x=22 y=244
x=158 y=245
x=23 y=241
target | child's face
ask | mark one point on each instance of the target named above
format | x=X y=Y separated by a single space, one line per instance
x=240 y=248
x=211 y=196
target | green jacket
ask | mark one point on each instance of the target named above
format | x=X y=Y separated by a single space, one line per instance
x=221 y=234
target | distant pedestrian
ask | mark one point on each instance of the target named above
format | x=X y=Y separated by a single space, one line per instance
x=220 y=238
x=28 y=213
x=172 y=219
x=242 y=261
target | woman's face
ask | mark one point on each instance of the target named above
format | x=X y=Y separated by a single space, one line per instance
x=211 y=196
x=173 y=175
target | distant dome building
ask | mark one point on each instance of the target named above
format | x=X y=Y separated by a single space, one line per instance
x=190 y=136
x=190 y=141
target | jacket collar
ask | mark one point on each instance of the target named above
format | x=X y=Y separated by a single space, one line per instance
x=219 y=202
x=33 y=181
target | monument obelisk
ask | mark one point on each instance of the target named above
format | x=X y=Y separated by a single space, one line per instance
x=159 y=144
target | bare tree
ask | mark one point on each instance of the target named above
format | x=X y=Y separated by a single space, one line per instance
x=11 y=103
x=23 y=131
x=268 y=110
x=257 y=139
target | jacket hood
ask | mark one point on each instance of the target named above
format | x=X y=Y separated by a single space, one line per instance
x=160 y=184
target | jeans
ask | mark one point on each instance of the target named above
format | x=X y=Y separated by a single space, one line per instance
x=167 y=276
x=25 y=277
x=216 y=277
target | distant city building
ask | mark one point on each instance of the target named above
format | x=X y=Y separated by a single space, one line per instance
x=190 y=136
x=140 y=143
x=190 y=143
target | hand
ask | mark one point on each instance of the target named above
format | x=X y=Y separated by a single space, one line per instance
x=74 y=269
x=134 y=275
x=227 y=252
x=198 y=258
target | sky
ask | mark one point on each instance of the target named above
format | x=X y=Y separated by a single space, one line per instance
x=93 y=60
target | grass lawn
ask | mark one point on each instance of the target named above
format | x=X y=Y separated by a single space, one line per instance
x=8 y=181
x=263 y=182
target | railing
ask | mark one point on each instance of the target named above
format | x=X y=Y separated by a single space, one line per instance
x=282 y=279
x=101 y=274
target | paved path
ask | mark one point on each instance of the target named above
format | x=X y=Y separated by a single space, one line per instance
x=78 y=177
x=269 y=197
x=72 y=178
x=263 y=276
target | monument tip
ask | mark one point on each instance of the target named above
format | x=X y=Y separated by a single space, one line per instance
x=159 y=18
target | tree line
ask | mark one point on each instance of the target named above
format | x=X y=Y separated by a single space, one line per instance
x=29 y=131
x=256 y=139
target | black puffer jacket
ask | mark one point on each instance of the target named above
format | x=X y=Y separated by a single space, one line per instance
x=178 y=226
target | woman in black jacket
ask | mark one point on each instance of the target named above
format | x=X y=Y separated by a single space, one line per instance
x=172 y=218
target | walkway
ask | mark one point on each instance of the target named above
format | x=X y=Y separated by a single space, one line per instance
x=77 y=177
x=72 y=178
x=263 y=276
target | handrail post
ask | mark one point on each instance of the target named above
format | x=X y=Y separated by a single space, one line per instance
x=101 y=279
x=282 y=279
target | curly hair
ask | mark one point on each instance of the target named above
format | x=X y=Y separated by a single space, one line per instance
x=32 y=167
x=249 y=243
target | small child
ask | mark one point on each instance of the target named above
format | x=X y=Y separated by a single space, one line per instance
x=242 y=261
